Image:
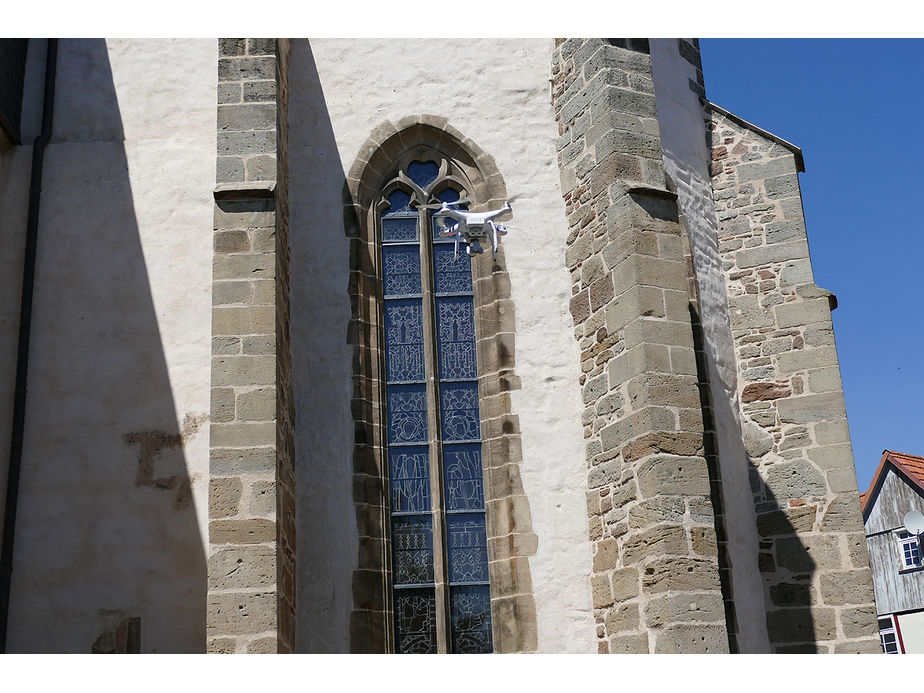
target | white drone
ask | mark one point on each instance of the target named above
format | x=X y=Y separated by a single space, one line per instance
x=470 y=228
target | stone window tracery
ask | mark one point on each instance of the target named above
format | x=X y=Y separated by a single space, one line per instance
x=463 y=464
x=440 y=589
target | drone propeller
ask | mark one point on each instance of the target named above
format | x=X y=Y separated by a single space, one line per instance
x=439 y=205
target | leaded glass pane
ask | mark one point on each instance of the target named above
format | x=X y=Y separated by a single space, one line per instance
x=412 y=549
x=464 y=478
x=470 y=619
x=423 y=173
x=399 y=229
x=455 y=323
x=399 y=203
x=401 y=269
x=407 y=414
x=415 y=621
x=467 y=547
x=409 y=479
x=450 y=275
x=404 y=341
x=448 y=195
x=459 y=405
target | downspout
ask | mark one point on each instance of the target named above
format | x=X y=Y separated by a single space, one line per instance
x=22 y=351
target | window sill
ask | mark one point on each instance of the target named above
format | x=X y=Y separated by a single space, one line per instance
x=917 y=569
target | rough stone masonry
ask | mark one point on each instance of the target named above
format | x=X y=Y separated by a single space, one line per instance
x=655 y=578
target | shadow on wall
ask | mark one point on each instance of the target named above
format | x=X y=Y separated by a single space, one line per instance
x=322 y=366
x=786 y=566
x=108 y=554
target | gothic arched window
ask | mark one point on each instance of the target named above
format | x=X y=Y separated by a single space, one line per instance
x=439 y=585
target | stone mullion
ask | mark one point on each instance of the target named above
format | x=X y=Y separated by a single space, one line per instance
x=650 y=512
x=431 y=373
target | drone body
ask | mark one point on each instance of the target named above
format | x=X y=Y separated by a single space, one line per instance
x=471 y=228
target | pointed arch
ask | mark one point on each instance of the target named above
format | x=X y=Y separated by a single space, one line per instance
x=380 y=169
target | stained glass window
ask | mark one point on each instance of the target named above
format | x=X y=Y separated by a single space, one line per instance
x=441 y=594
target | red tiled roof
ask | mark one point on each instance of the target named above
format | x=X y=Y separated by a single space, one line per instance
x=912 y=466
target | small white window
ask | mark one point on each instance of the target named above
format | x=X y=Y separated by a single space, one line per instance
x=887 y=635
x=909 y=550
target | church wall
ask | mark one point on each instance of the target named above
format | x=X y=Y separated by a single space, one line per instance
x=792 y=404
x=650 y=487
x=111 y=525
x=681 y=120
x=15 y=173
x=341 y=91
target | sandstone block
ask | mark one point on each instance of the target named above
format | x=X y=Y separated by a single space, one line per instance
x=663 y=389
x=606 y=555
x=240 y=435
x=745 y=313
x=803 y=554
x=766 y=169
x=673 y=476
x=240 y=320
x=868 y=646
x=262 y=646
x=786 y=230
x=690 y=639
x=847 y=587
x=637 y=301
x=637 y=360
x=625 y=584
x=704 y=540
x=843 y=480
x=257 y=405
x=812 y=408
x=768 y=254
x=757 y=442
x=252 y=531
x=221 y=646
x=629 y=644
x=663 y=611
x=832 y=456
x=788 y=521
x=263 y=497
x=789 y=594
x=832 y=432
x=235 y=614
x=600 y=591
x=803 y=313
x=229 y=461
x=859 y=622
x=680 y=574
x=799 y=479
x=243 y=370
x=246 y=265
x=242 y=567
x=635 y=425
x=662 y=509
x=222 y=409
x=659 y=540
x=224 y=496
x=806 y=359
x=622 y=617
x=762 y=392
x=801 y=625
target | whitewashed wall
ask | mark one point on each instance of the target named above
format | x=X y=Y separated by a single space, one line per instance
x=120 y=352
x=495 y=92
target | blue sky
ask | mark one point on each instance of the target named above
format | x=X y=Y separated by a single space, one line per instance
x=856 y=109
